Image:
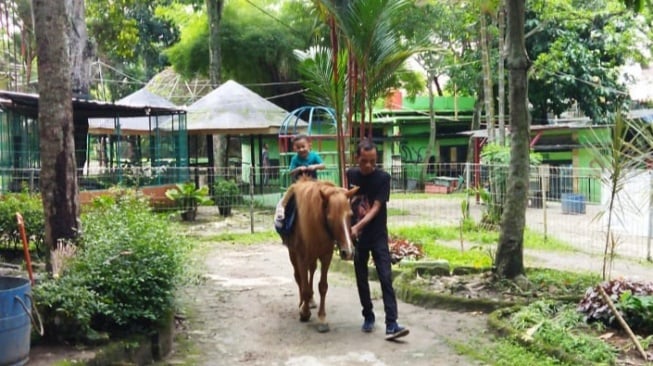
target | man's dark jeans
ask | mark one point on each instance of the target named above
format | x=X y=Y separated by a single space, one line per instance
x=381 y=255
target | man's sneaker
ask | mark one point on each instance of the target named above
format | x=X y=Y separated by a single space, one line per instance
x=368 y=325
x=394 y=331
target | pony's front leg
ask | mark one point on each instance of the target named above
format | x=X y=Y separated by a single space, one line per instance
x=323 y=325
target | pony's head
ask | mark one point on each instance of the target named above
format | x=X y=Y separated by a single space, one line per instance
x=338 y=216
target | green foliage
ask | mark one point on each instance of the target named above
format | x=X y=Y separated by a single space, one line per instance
x=189 y=57
x=638 y=310
x=128 y=263
x=484 y=242
x=426 y=237
x=187 y=198
x=548 y=280
x=577 y=51
x=30 y=206
x=255 y=48
x=506 y=352
x=67 y=306
x=318 y=72
x=226 y=193
x=497 y=158
x=132 y=260
x=130 y=36
x=240 y=238
x=560 y=326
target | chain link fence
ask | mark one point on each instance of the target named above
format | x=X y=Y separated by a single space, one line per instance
x=564 y=203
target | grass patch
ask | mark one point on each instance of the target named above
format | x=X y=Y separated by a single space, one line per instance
x=422 y=196
x=456 y=258
x=422 y=234
x=560 y=326
x=504 y=352
x=397 y=212
x=569 y=282
x=243 y=238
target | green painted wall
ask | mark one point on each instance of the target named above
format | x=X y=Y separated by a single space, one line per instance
x=440 y=104
x=552 y=157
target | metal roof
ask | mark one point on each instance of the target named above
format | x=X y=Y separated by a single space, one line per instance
x=27 y=104
x=134 y=125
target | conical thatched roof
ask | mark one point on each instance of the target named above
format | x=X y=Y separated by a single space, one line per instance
x=234 y=109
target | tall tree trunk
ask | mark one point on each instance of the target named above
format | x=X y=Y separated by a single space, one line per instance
x=487 y=78
x=81 y=53
x=58 y=179
x=81 y=50
x=510 y=254
x=214 y=11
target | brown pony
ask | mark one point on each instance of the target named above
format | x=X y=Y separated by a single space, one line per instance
x=323 y=218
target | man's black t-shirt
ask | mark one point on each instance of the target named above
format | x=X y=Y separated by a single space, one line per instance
x=372 y=187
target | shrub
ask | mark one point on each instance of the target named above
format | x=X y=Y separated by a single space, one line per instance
x=227 y=194
x=66 y=306
x=638 y=311
x=133 y=260
x=30 y=207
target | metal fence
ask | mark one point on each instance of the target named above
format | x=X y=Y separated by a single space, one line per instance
x=564 y=203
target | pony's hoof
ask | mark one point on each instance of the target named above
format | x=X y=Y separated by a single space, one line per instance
x=323 y=327
x=304 y=318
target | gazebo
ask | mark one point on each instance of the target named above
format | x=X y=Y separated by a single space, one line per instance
x=232 y=109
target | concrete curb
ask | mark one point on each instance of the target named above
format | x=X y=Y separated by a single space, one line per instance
x=135 y=350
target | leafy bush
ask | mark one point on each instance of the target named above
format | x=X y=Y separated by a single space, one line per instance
x=122 y=280
x=66 y=306
x=132 y=259
x=226 y=194
x=30 y=207
x=638 y=311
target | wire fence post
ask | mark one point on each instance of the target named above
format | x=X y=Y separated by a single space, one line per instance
x=544 y=186
x=251 y=198
x=468 y=177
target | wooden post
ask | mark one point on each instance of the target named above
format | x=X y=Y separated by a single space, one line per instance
x=623 y=323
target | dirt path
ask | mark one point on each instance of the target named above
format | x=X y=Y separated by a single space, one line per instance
x=245 y=314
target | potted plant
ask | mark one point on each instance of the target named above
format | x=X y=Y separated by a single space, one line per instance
x=188 y=198
x=226 y=194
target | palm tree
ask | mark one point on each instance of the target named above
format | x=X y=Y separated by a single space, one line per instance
x=362 y=34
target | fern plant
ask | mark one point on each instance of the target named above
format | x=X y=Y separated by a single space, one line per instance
x=188 y=198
